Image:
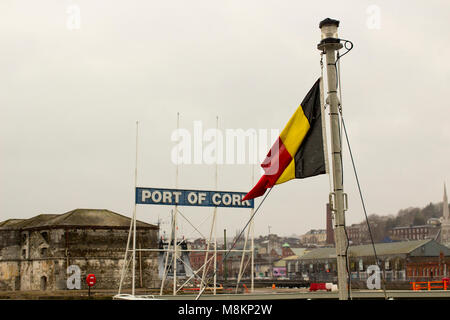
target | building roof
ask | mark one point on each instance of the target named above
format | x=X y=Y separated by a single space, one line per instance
x=31 y=222
x=278 y=251
x=279 y=263
x=295 y=257
x=316 y=231
x=415 y=227
x=10 y=222
x=76 y=218
x=393 y=248
x=299 y=251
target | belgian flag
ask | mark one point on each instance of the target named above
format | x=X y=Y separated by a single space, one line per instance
x=299 y=151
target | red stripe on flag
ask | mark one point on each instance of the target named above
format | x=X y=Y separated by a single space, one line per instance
x=276 y=162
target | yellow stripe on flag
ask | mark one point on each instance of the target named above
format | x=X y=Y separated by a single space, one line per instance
x=288 y=173
x=294 y=132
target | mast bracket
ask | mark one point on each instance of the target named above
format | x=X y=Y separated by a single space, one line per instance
x=345 y=201
x=332 y=198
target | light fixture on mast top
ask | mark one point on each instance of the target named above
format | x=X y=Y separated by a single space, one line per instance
x=330 y=39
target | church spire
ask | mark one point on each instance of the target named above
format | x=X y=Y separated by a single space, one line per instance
x=445 y=213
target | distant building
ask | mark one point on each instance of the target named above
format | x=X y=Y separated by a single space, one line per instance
x=445 y=225
x=291 y=267
x=198 y=243
x=428 y=231
x=436 y=228
x=314 y=237
x=197 y=260
x=358 y=233
x=286 y=250
x=263 y=267
x=279 y=269
x=400 y=261
x=35 y=253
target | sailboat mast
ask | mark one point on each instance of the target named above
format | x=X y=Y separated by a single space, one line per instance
x=133 y=284
x=329 y=44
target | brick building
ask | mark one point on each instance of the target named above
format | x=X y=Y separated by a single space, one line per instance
x=400 y=261
x=358 y=233
x=197 y=260
x=428 y=231
x=286 y=250
x=35 y=253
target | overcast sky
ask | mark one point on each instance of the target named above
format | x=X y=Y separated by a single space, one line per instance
x=72 y=90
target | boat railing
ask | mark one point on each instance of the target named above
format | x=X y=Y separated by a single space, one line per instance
x=430 y=285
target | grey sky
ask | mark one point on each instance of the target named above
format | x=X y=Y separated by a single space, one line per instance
x=70 y=99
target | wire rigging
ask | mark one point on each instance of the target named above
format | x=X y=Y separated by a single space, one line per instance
x=235 y=241
x=363 y=205
x=348 y=45
x=342 y=124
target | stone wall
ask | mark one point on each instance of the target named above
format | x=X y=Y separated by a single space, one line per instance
x=9 y=244
x=9 y=275
x=42 y=274
x=38 y=259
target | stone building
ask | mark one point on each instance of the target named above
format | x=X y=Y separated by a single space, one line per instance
x=418 y=260
x=314 y=237
x=35 y=253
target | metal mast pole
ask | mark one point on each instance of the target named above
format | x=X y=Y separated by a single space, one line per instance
x=223 y=255
x=215 y=213
x=134 y=216
x=268 y=252
x=125 y=259
x=252 y=277
x=329 y=44
x=175 y=213
x=168 y=250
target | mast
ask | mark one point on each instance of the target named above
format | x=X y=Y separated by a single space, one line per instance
x=252 y=210
x=215 y=213
x=329 y=44
x=224 y=254
x=445 y=213
x=175 y=213
x=134 y=217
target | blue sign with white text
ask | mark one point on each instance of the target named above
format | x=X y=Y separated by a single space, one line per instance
x=192 y=198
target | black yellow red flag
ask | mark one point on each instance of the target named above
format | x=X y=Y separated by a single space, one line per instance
x=299 y=150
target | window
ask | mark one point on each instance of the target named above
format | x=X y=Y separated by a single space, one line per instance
x=45 y=235
x=43 y=252
x=43 y=283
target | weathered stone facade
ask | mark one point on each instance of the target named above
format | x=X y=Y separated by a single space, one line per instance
x=36 y=253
